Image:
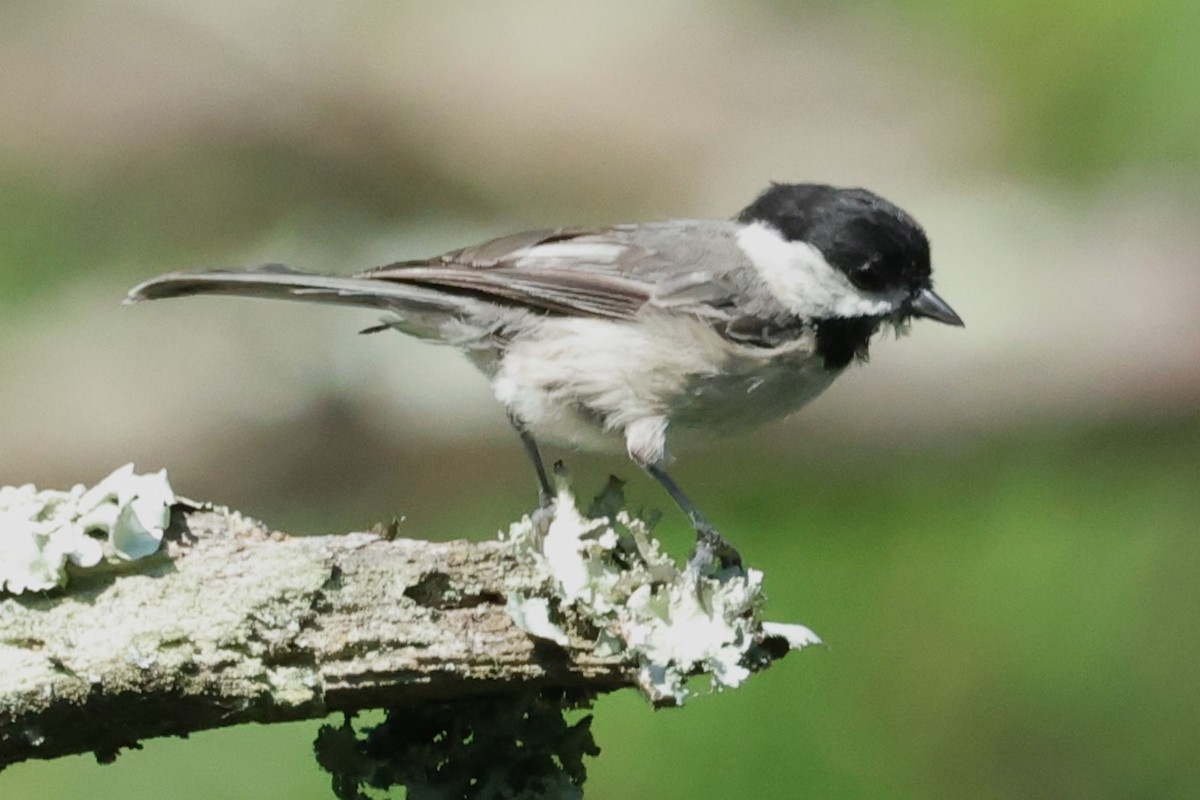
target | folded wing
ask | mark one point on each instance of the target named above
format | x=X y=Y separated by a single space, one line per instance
x=682 y=266
x=612 y=272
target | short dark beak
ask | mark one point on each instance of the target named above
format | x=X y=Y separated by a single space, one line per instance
x=927 y=304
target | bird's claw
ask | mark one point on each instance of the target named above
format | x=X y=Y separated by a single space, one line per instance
x=712 y=554
x=711 y=548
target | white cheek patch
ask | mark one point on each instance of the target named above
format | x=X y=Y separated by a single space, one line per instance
x=803 y=281
x=584 y=252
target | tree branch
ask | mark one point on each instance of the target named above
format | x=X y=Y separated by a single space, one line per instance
x=232 y=623
x=228 y=622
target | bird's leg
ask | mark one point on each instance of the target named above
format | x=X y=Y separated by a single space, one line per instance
x=545 y=492
x=710 y=545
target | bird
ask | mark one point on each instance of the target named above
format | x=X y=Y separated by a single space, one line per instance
x=623 y=337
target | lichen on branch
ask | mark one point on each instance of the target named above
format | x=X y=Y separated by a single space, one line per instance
x=231 y=622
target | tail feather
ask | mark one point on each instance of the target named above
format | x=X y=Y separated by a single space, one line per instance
x=278 y=282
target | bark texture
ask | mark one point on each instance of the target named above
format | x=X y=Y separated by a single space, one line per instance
x=233 y=623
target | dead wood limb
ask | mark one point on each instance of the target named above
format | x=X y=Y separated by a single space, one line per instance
x=232 y=623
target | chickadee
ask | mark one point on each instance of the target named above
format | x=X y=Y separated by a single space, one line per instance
x=602 y=337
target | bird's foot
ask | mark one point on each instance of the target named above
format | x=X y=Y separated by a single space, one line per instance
x=543 y=516
x=712 y=553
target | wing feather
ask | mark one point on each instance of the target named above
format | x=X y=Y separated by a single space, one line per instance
x=683 y=266
x=609 y=272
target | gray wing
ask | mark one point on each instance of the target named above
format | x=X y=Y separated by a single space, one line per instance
x=686 y=266
x=689 y=265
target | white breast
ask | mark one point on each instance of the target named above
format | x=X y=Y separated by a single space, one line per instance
x=600 y=384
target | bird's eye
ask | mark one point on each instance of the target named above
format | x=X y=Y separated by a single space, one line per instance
x=868 y=276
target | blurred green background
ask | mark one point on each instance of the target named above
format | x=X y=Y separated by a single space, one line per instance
x=994 y=530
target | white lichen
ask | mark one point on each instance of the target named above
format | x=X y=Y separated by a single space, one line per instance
x=119 y=519
x=532 y=615
x=673 y=622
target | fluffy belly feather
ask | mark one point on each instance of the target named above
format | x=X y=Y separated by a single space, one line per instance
x=590 y=383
